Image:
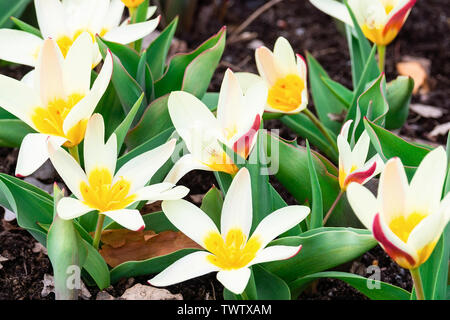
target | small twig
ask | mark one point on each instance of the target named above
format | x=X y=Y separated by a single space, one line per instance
x=252 y=17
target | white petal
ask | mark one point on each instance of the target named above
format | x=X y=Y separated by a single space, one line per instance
x=368 y=12
x=50 y=16
x=114 y=15
x=78 y=65
x=86 y=106
x=191 y=266
x=127 y=218
x=100 y=10
x=359 y=152
x=189 y=219
x=345 y=129
x=285 y=60
x=68 y=168
x=335 y=9
x=97 y=154
x=49 y=73
x=28 y=78
x=140 y=170
x=33 y=152
x=132 y=32
x=234 y=280
x=184 y=165
x=70 y=208
x=426 y=186
x=247 y=79
x=345 y=154
x=237 y=206
x=392 y=190
x=18 y=98
x=275 y=253
x=363 y=203
x=19 y=47
x=265 y=63
x=278 y=222
x=162 y=191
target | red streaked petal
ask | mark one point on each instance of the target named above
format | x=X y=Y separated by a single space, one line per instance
x=397 y=20
x=397 y=254
x=360 y=176
x=243 y=145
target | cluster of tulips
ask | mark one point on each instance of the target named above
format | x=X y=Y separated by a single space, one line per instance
x=113 y=171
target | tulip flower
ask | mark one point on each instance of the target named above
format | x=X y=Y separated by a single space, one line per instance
x=66 y=21
x=231 y=251
x=284 y=74
x=60 y=103
x=406 y=219
x=132 y=3
x=237 y=124
x=103 y=189
x=352 y=163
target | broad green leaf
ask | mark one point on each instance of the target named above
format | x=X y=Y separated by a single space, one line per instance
x=270 y=286
x=399 y=92
x=122 y=130
x=379 y=290
x=224 y=180
x=141 y=15
x=316 y=215
x=211 y=99
x=128 y=57
x=342 y=93
x=27 y=27
x=388 y=145
x=145 y=79
x=212 y=205
x=192 y=72
x=324 y=99
x=12 y=132
x=30 y=204
x=322 y=249
x=158 y=49
x=9 y=9
x=96 y=267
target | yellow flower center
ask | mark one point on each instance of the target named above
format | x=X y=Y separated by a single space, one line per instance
x=375 y=34
x=221 y=162
x=286 y=94
x=402 y=226
x=234 y=252
x=50 y=120
x=65 y=42
x=343 y=175
x=132 y=3
x=104 y=196
x=388 y=5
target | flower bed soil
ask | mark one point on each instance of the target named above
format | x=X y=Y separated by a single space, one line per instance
x=425 y=35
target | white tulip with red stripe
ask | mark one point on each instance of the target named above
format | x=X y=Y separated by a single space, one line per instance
x=65 y=21
x=231 y=251
x=59 y=103
x=406 y=219
x=103 y=189
x=237 y=124
x=380 y=20
x=353 y=166
x=284 y=73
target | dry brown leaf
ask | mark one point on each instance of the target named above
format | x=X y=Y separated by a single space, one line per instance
x=124 y=245
x=427 y=111
x=418 y=69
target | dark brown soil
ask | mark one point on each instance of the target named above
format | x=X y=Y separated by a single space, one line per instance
x=425 y=34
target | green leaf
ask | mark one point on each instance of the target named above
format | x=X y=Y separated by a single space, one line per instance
x=66 y=250
x=158 y=49
x=111 y=109
x=9 y=9
x=141 y=15
x=31 y=205
x=324 y=99
x=145 y=79
x=97 y=268
x=342 y=93
x=192 y=72
x=27 y=27
x=211 y=99
x=122 y=130
x=388 y=145
x=12 y=132
x=128 y=57
x=212 y=205
x=399 y=92
x=316 y=215
x=224 y=180
x=379 y=290
x=322 y=249
x=270 y=286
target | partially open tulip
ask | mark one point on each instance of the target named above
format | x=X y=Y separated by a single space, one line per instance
x=284 y=73
x=353 y=166
x=101 y=188
x=380 y=20
x=406 y=219
x=231 y=251
x=237 y=124
x=65 y=21
x=59 y=104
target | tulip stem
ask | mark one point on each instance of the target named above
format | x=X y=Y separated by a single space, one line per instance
x=74 y=153
x=417 y=279
x=98 y=231
x=381 y=56
x=322 y=129
x=327 y=216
